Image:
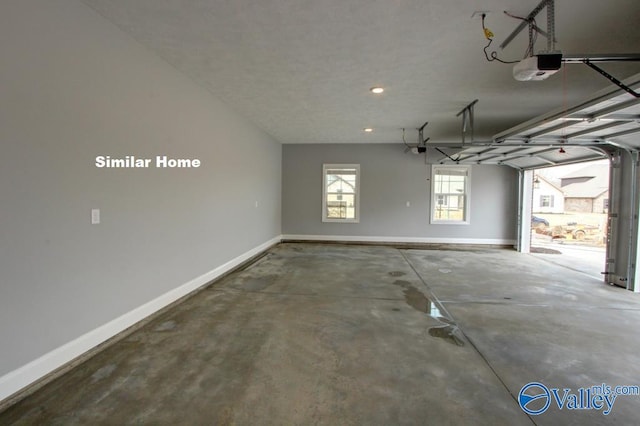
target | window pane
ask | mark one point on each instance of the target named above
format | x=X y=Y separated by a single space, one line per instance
x=450 y=186
x=341 y=183
x=546 y=201
x=340 y=192
x=451 y=208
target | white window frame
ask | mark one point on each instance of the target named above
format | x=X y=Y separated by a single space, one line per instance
x=467 y=195
x=325 y=168
x=547 y=200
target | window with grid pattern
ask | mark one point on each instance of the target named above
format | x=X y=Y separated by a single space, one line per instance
x=450 y=194
x=546 y=201
x=340 y=193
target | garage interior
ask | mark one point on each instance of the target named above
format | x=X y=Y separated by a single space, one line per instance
x=240 y=291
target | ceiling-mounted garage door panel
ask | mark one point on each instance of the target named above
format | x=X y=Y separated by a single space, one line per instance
x=584 y=132
x=523 y=157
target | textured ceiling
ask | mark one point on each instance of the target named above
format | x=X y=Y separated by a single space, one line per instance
x=302 y=69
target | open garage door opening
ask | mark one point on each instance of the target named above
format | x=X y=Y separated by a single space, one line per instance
x=569 y=215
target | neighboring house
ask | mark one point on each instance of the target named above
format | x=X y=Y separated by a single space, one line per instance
x=341 y=196
x=587 y=190
x=547 y=197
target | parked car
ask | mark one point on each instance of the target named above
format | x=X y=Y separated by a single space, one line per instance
x=539 y=222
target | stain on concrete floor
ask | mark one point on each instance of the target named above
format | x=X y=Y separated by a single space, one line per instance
x=326 y=334
x=415 y=298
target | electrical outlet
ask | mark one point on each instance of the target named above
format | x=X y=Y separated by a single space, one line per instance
x=95 y=216
x=478 y=14
x=408 y=203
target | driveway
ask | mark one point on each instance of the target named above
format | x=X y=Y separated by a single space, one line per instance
x=586 y=259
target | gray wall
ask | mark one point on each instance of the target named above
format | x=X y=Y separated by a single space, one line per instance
x=390 y=178
x=72 y=86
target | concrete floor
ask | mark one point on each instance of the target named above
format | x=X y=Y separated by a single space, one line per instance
x=341 y=335
x=586 y=259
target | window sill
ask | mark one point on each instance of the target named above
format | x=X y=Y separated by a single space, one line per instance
x=445 y=222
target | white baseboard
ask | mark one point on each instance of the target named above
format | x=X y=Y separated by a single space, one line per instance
x=29 y=373
x=413 y=240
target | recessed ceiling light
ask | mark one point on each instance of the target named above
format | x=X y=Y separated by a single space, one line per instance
x=377 y=90
x=368 y=129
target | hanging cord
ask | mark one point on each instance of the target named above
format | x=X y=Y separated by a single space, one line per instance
x=565 y=102
x=403 y=139
x=533 y=33
x=455 y=160
x=488 y=34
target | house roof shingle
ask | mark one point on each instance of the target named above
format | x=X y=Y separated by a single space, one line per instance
x=596 y=185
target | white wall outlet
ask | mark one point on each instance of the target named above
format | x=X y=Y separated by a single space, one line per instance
x=256 y=204
x=95 y=216
x=478 y=14
x=408 y=203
